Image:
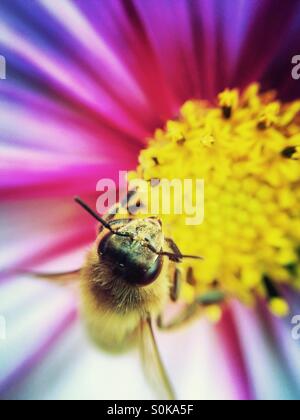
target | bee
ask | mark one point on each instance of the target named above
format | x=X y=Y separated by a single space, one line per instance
x=129 y=275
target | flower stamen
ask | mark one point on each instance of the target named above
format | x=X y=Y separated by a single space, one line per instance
x=291 y=152
x=278 y=306
x=228 y=101
x=251 y=229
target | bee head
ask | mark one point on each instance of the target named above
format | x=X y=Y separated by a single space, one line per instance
x=134 y=251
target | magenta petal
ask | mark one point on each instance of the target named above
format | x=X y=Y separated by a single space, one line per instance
x=234 y=355
x=46 y=229
x=269 y=23
x=278 y=73
x=268 y=372
x=54 y=333
x=170 y=34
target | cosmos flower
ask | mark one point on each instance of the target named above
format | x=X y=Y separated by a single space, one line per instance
x=88 y=84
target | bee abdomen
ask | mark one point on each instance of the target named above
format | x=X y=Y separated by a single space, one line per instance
x=111 y=329
x=111 y=332
x=113 y=309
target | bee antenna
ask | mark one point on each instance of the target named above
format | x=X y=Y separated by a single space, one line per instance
x=100 y=219
x=93 y=213
x=173 y=256
x=179 y=257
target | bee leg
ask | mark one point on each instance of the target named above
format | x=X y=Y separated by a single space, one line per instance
x=191 y=311
x=126 y=200
x=176 y=253
x=173 y=246
x=126 y=204
x=175 y=289
x=110 y=216
x=58 y=278
x=133 y=207
x=188 y=314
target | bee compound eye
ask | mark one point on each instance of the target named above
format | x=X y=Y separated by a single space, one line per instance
x=103 y=244
x=128 y=265
x=146 y=277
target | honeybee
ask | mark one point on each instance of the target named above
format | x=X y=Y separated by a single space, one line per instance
x=129 y=275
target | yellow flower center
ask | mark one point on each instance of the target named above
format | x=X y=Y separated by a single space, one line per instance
x=247 y=150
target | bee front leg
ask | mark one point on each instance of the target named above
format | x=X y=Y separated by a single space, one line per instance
x=114 y=211
x=188 y=314
x=132 y=207
x=125 y=203
x=173 y=247
x=193 y=310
